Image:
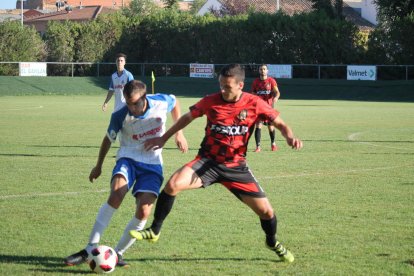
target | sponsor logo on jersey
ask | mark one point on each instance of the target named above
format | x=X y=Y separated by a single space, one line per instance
x=119 y=86
x=263 y=92
x=150 y=132
x=230 y=130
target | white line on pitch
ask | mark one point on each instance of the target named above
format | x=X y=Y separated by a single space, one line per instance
x=34 y=195
x=354 y=137
x=23 y=108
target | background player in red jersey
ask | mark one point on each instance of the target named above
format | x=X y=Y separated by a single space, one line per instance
x=231 y=116
x=266 y=88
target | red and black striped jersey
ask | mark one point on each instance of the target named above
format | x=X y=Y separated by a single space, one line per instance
x=265 y=89
x=230 y=125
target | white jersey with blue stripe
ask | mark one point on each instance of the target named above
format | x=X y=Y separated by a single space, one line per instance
x=117 y=85
x=135 y=130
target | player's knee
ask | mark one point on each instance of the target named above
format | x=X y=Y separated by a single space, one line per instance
x=266 y=213
x=143 y=211
x=171 y=187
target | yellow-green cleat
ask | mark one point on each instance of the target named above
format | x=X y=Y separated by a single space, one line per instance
x=284 y=254
x=145 y=234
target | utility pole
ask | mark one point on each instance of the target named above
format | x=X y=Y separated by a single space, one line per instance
x=21 y=7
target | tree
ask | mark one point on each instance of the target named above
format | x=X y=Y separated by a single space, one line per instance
x=233 y=7
x=333 y=8
x=141 y=8
x=19 y=44
x=389 y=11
x=196 y=6
x=170 y=3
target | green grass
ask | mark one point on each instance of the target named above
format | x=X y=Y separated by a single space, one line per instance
x=397 y=91
x=345 y=203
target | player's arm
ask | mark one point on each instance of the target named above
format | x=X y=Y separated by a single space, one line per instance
x=159 y=142
x=108 y=97
x=97 y=170
x=180 y=140
x=276 y=93
x=287 y=132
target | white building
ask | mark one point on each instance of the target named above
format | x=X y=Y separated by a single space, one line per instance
x=366 y=8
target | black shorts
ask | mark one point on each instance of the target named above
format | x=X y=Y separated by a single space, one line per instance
x=239 y=179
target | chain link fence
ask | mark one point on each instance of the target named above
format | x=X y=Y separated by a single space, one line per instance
x=307 y=71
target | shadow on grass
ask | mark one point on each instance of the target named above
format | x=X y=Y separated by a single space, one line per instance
x=55 y=265
x=50 y=264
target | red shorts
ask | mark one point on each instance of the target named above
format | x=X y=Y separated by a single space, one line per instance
x=239 y=179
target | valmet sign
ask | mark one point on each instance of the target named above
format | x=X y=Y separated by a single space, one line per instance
x=361 y=72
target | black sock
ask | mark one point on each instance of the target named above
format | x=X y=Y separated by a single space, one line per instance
x=163 y=207
x=272 y=134
x=258 y=136
x=270 y=228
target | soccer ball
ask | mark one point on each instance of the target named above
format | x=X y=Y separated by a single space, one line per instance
x=103 y=259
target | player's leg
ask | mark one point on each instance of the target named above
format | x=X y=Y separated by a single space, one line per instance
x=272 y=134
x=144 y=202
x=119 y=189
x=262 y=207
x=146 y=188
x=184 y=178
x=258 y=135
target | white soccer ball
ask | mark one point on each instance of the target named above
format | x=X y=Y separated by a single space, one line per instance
x=103 y=259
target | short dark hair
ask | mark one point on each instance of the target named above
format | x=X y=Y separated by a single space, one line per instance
x=233 y=70
x=121 y=55
x=133 y=87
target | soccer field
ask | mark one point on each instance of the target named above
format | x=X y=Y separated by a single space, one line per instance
x=345 y=203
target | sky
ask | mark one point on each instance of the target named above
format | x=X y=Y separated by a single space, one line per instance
x=8 y=4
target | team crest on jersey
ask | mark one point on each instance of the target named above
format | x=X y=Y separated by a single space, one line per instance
x=112 y=134
x=242 y=115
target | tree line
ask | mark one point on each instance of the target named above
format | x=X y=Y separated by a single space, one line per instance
x=171 y=36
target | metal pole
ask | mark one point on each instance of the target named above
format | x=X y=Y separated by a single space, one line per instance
x=406 y=72
x=277 y=5
x=21 y=8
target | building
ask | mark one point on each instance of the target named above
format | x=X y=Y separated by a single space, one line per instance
x=54 y=4
x=354 y=13
x=366 y=8
x=79 y=14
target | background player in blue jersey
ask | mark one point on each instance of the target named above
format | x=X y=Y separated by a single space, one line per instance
x=136 y=169
x=118 y=81
x=231 y=116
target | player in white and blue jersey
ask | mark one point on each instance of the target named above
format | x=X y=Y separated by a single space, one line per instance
x=118 y=81
x=136 y=170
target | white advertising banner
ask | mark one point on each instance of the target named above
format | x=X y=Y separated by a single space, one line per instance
x=38 y=69
x=201 y=70
x=280 y=71
x=361 y=72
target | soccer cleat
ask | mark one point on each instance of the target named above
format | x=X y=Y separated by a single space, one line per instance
x=282 y=252
x=77 y=258
x=274 y=147
x=258 y=149
x=121 y=262
x=145 y=234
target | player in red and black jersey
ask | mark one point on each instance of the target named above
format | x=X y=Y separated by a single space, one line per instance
x=231 y=116
x=266 y=88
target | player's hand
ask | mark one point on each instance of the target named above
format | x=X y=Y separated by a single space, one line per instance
x=154 y=143
x=95 y=173
x=295 y=143
x=104 y=107
x=181 y=142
